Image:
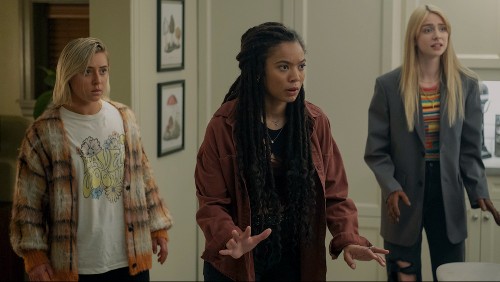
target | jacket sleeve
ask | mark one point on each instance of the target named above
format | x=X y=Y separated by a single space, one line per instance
x=377 y=150
x=341 y=212
x=28 y=226
x=471 y=165
x=215 y=204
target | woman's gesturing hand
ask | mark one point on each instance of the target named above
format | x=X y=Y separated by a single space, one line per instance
x=393 y=205
x=357 y=252
x=487 y=205
x=242 y=243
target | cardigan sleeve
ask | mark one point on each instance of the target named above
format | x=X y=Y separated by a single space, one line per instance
x=159 y=215
x=160 y=219
x=29 y=222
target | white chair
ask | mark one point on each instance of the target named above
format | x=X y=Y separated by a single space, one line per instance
x=468 y=271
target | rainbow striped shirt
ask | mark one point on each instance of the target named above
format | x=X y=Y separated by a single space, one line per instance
x=431 y=104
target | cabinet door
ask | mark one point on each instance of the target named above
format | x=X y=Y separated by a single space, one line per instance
x=473 y=241
x=494 y=188
x=483 y=241
x=490 y=237
x=490 y=231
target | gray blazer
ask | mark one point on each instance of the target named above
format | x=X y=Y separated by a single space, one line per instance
x=396 y=157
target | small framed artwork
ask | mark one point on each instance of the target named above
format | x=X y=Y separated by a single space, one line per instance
x=170 y=35
x=170 y=117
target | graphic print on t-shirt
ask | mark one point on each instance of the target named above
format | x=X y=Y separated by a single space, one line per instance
x=103 y=166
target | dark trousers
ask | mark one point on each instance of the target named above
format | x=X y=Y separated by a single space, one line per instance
x=288 y=269
x=440 y=248
x=120 y=274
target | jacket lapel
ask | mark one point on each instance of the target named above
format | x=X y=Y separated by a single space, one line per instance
x=419 y=126
x=444 y=128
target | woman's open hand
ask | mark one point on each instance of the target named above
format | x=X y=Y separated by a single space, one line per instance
x=357 y=252
x=242 y=243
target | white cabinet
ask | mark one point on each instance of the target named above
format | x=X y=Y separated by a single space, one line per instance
x=483 y=242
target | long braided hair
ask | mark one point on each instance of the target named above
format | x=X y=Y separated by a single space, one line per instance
x=253 y=143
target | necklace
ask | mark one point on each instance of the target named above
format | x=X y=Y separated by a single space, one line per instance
x=277 y=135
x=275 y=122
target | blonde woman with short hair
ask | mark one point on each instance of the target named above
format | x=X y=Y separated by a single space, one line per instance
x=86 y=206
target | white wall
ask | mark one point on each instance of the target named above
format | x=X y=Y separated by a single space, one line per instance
x=10 y=57
x=221 y=24
x=104 y=27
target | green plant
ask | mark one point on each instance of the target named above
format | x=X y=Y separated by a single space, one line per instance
x=45 y=97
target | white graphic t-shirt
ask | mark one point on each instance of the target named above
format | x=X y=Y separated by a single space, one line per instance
x=98 y=153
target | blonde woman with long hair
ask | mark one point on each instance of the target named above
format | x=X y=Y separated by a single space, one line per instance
x=424 y=147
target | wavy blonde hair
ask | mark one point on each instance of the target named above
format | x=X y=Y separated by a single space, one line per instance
x=450 y=68
x=74 y=59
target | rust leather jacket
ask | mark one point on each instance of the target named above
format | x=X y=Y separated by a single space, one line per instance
x=223 y=208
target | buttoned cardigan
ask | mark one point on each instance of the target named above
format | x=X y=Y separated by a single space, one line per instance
x=45 y=214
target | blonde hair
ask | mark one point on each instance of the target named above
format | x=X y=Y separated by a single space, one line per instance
x=451 y=69
x=74 y=59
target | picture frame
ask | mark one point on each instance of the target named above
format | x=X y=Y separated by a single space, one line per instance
x=170 y=131
x=170 y=35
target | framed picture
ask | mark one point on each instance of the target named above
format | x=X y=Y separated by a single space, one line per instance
x=170 y=35
x=170 y=117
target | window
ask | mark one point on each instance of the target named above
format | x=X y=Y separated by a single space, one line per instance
x=48 y=27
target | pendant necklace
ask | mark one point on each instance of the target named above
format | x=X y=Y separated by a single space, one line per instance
x=275 y=138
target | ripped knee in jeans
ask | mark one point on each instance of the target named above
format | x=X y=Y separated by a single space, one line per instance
x=400 y=270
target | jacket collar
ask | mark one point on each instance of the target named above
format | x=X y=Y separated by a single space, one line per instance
x=228 y=111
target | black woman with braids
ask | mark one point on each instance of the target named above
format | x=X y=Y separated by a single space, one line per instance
x=269 y=176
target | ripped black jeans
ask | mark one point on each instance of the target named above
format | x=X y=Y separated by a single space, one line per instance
x=440 y=248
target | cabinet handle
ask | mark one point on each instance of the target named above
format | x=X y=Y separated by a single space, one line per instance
x=475 y=217
x=486 y=217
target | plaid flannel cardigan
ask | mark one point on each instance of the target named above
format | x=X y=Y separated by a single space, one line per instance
x=45 y=214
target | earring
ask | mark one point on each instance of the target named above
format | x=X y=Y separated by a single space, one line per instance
x=258 y=78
